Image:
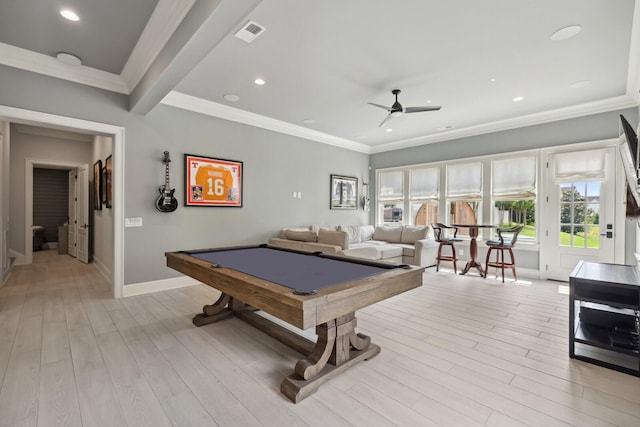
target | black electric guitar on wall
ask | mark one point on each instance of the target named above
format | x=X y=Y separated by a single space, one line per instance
x=166 y=202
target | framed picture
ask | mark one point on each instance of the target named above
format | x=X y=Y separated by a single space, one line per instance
x=97 y=185
x=344 y=192
x=107 y=182
x=212 y=182
x=104 y=187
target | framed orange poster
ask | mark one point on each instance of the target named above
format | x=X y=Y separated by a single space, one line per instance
x=212 y=182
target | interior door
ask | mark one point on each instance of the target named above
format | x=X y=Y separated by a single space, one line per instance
x=73 y=223
x=82 y=210
x=580 y=214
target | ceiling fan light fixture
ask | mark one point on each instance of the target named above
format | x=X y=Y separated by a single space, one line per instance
x=396 y=113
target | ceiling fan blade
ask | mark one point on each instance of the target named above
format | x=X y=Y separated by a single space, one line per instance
x=386 y=119
x=379 y=106
x=420 y=109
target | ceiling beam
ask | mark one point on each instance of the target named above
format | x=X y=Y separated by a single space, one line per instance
x=203 y=28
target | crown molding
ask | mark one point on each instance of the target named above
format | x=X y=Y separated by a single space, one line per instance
x=199 y=105
x=586 y=109
x=163 y=22
x=44 y=64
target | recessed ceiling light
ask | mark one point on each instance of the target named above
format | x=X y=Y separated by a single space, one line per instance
x=68 y=59
x=389 y=130
x=231 y=98
x=566 y=33
x=428 y=101
x=70 y=15
x=492 y=80
x=308 y=121
x=580 y=84
x=518 y=98
x=447 y=127
x=259 y=81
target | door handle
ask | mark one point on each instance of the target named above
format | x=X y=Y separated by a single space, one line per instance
x=608 y=234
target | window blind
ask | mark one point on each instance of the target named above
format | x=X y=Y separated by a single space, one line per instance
x=464 y=181
x=425 y=183
x=587 y=165
x=391 y=185
x=514 y=179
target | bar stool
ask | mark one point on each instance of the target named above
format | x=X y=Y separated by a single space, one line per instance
x=501 y=245
x=442 y=235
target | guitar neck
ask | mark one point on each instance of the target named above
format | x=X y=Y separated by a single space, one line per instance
x=166 y=177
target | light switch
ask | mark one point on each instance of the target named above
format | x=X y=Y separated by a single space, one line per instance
x=133 y=222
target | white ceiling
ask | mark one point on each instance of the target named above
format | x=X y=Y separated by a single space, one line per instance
x=325 y=61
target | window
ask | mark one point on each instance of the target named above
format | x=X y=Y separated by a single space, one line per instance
x=579 y=175
x=424 y=191
x=580 y=214
x=464 y=193
x=391 y=197
x=513 y=194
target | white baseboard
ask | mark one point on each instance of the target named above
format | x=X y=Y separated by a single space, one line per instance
x=20 y=258
x=157 y=286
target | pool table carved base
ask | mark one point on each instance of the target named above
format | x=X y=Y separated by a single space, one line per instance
x=338 y=346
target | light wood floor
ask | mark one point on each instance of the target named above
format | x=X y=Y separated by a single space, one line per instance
x=460 y=351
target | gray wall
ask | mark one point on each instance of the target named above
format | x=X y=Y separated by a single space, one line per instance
x=582 y=129
x=275 y=166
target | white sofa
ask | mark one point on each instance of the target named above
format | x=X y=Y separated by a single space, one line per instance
x=397 y=244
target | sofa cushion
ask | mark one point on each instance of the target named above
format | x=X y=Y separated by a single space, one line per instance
x=317 y=227
x=353 y=231
x=302 y=236
x=389 y=251
x=283 y=232
x=408 y=250
x=412 y=233
x=366 y=232
x=388 y=234
x=330 y=237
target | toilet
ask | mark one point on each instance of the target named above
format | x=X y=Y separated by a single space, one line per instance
x=38 y=237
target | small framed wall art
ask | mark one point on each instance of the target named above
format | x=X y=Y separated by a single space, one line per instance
x=107 y=182
x=97 y=185
x=212 y=182
x=344 y=192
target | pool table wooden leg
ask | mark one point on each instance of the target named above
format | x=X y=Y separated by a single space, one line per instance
x=338 y=348
x=221 y=309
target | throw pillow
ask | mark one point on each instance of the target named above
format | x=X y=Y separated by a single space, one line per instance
x=412 y=233
x=353 y=231
x=335 y=238
x=283 y=232
x=366 y=232
x=387 y=234
x=302 y=236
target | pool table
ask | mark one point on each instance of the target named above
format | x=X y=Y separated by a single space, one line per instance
x=303 y=289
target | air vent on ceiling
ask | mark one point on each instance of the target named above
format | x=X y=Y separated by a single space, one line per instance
x=250 y=31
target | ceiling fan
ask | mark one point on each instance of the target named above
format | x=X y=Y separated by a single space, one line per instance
x=396 y=110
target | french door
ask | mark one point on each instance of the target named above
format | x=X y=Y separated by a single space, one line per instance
x=580 y=218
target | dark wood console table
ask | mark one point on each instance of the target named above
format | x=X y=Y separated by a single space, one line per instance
x=604 y=310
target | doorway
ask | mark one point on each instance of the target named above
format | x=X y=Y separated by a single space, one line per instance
x=35 y=118
x=80 y=212
x=581 y=214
